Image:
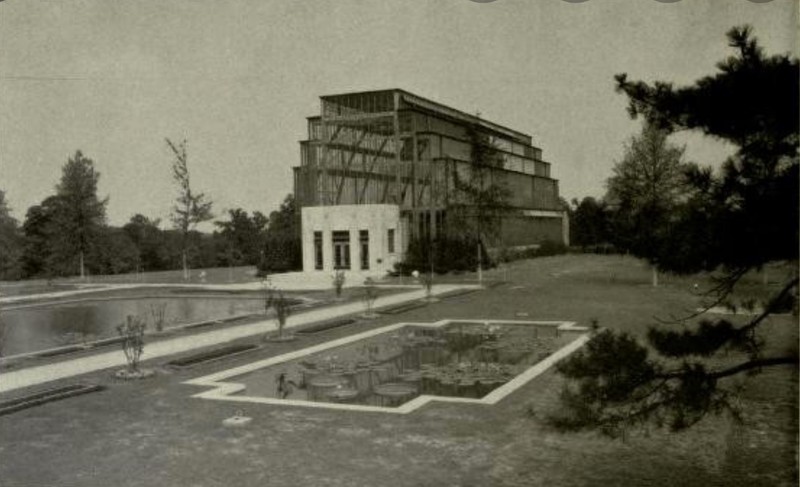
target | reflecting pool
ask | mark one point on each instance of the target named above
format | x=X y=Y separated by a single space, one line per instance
x=43 y=326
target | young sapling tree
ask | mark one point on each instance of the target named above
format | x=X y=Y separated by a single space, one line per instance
x=338 y=283
x=277 y=301
x=158 y=313
x=427 y=284
x=369 y=297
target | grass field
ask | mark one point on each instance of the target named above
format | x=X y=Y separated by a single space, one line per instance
x=152 y=432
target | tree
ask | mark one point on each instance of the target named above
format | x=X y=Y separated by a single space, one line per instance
x=589 y=223
x=646 y=186
x=190 y=208
x=150 y=242
x=79 y=216
x=481 y=194
x=733 y=222
x=244 y=235
x=38 y=232
x=117 y=252
x=282 y=248
x=10 y=243
x=275 y=299
x=132 y=334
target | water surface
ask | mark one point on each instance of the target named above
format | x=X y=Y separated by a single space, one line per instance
x=38 y=327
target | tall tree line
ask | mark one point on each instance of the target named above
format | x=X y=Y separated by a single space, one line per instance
x=67 y=233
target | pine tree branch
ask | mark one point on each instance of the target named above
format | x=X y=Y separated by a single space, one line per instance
x=754 y=364
x=772 y=306
x=738 y=368
x=721 y=291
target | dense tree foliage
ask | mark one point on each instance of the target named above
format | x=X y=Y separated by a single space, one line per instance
x=38 y=233
x=589 y=223
x=152 y=251
x=10 y=243
x=282 y=247
x=70 y=224
x=732 y=222
x=244 y=236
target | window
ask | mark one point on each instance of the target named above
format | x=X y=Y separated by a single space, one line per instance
x=363 y=240
x=439 y=223
x=318 y=251
x=390 y=240
x=341 y=250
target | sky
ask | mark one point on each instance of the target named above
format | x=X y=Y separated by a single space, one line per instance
x=237 y=78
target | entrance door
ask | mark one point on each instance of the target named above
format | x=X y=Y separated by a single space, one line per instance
x=341 y=250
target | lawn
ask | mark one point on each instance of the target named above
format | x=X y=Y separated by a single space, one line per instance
x=153 y=433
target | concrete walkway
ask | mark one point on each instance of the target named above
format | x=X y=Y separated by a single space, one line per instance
x=32 y=376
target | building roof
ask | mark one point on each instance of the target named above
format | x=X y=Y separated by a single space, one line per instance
x=426 y=104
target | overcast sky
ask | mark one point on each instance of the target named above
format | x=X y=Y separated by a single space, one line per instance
x=237 y=79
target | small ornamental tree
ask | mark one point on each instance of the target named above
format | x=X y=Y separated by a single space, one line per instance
x=158 y=312
x=277 y=301
x=427 y=283
x=338 y=283
x=132 y=333
x=370 y=295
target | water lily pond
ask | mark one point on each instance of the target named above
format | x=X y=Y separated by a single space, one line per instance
x=461 y=359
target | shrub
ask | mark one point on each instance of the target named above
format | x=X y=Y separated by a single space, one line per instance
x=449 y=254
x=550 y=247
x=281 y=254
x=132 y=333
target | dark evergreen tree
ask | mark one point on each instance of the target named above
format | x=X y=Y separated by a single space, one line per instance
x=732 y=222
x=78 y=219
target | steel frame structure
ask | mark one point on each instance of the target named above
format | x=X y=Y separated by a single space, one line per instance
x=393 y=147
